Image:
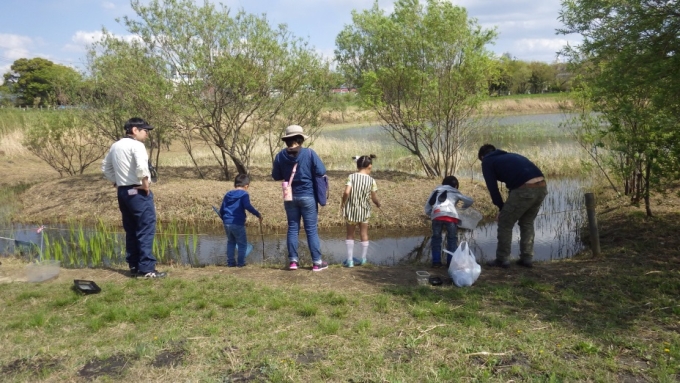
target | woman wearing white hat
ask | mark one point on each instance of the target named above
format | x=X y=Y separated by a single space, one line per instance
x=304 y=165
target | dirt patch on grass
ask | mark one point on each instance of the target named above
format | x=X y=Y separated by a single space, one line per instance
x=169 y=358
x=113 y=366
x=30 y=365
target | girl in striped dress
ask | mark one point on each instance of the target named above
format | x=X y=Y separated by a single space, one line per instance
x=360 y=190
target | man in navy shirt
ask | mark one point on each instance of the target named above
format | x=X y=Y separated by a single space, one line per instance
x=527 y=190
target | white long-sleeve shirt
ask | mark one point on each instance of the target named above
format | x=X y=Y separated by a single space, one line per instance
x=126 y=163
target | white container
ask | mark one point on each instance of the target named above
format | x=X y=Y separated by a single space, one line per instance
x=469 y=218
x=422 y=277
x=41 y=271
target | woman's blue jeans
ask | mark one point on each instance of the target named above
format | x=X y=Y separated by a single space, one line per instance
x=236 y=235
x=305 y=208
x=451 y=240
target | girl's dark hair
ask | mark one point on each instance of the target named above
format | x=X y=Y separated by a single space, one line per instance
x=450 y=181
x=484 y=150
x=364 y=161
x=241 y=180
x=291 y=140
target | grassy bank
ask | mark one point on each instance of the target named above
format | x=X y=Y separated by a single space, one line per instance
x=615 y=318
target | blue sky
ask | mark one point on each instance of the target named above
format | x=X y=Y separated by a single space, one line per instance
x=59 y=30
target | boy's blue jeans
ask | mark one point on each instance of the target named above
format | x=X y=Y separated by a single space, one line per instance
x=436 y=242
x=236 y=235
x=305 y=208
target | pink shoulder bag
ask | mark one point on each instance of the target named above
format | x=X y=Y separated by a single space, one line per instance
x=286 y=186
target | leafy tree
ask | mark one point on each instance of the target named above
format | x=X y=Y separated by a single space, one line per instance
x=424 y=70
x=542 y=76
x=63 y=141
x=40 y=82
x=236 y=78
x=127 y=80
x=627 y=62
x=643 y=33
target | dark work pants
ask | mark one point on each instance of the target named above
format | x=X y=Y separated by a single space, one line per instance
x=139 y=222
x=521 y=207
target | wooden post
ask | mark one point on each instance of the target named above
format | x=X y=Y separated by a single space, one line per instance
x=592 y=224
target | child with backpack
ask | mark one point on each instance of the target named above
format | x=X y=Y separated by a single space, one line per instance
x=360 y=190
x=233 y=213
x=441 y=208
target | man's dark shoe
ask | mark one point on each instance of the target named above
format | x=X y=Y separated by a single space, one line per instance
x=437 y=265
x=497 y=263
x=152 y=274
x=525 y=263
x=133 y=272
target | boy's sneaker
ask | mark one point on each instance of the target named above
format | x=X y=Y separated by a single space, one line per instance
x=319 y=267
x=153 y=274
x=363 y=261
x=348 y=263
x=293 y=266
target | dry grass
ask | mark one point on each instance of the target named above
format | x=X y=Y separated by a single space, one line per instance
x=10 y=144
x=181 y=196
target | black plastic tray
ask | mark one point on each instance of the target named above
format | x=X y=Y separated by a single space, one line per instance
x=87 y=287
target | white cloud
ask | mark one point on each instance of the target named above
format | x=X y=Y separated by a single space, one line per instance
x=539 y=49
x=14 y=47
x=108 y=5
x=81 y=39
x=530 y=45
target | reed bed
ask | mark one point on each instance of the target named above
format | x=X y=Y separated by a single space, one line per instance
x=80 y=244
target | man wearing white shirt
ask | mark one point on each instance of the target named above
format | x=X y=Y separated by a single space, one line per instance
x=126 y=165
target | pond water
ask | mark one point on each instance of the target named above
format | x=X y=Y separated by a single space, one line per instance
x=517 y=130
x=558 y=227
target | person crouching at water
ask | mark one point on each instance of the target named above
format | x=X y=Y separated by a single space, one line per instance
x=127 y=166
x=441 y=209
x=360 y=190
x=528 y=189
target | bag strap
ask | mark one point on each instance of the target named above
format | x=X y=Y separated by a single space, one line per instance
x=290 y=181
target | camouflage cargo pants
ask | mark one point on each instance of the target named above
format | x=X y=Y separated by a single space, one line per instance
x=521 y=207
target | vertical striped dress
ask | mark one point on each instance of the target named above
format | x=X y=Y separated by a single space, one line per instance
x=358 y=207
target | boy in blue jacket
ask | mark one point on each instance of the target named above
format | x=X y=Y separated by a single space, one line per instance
x=233 y=213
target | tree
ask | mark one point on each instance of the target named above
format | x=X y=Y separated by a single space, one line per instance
x=627 y=62
x=236 y=78
x=127 y=80
x=40 y=82
x=62 y=140
x=644 y=33
x=424 y=70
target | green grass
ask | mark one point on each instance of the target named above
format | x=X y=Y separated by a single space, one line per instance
x=595 y=325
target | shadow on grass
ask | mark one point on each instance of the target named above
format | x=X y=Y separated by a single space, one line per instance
x=636 y=281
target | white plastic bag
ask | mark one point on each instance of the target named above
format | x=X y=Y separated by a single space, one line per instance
x=464 y=269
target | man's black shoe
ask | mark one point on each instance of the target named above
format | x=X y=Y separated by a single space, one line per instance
x=152 y=274
x=437 y=265
x=525 y=263
x=133 y=272
x=497 y=263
